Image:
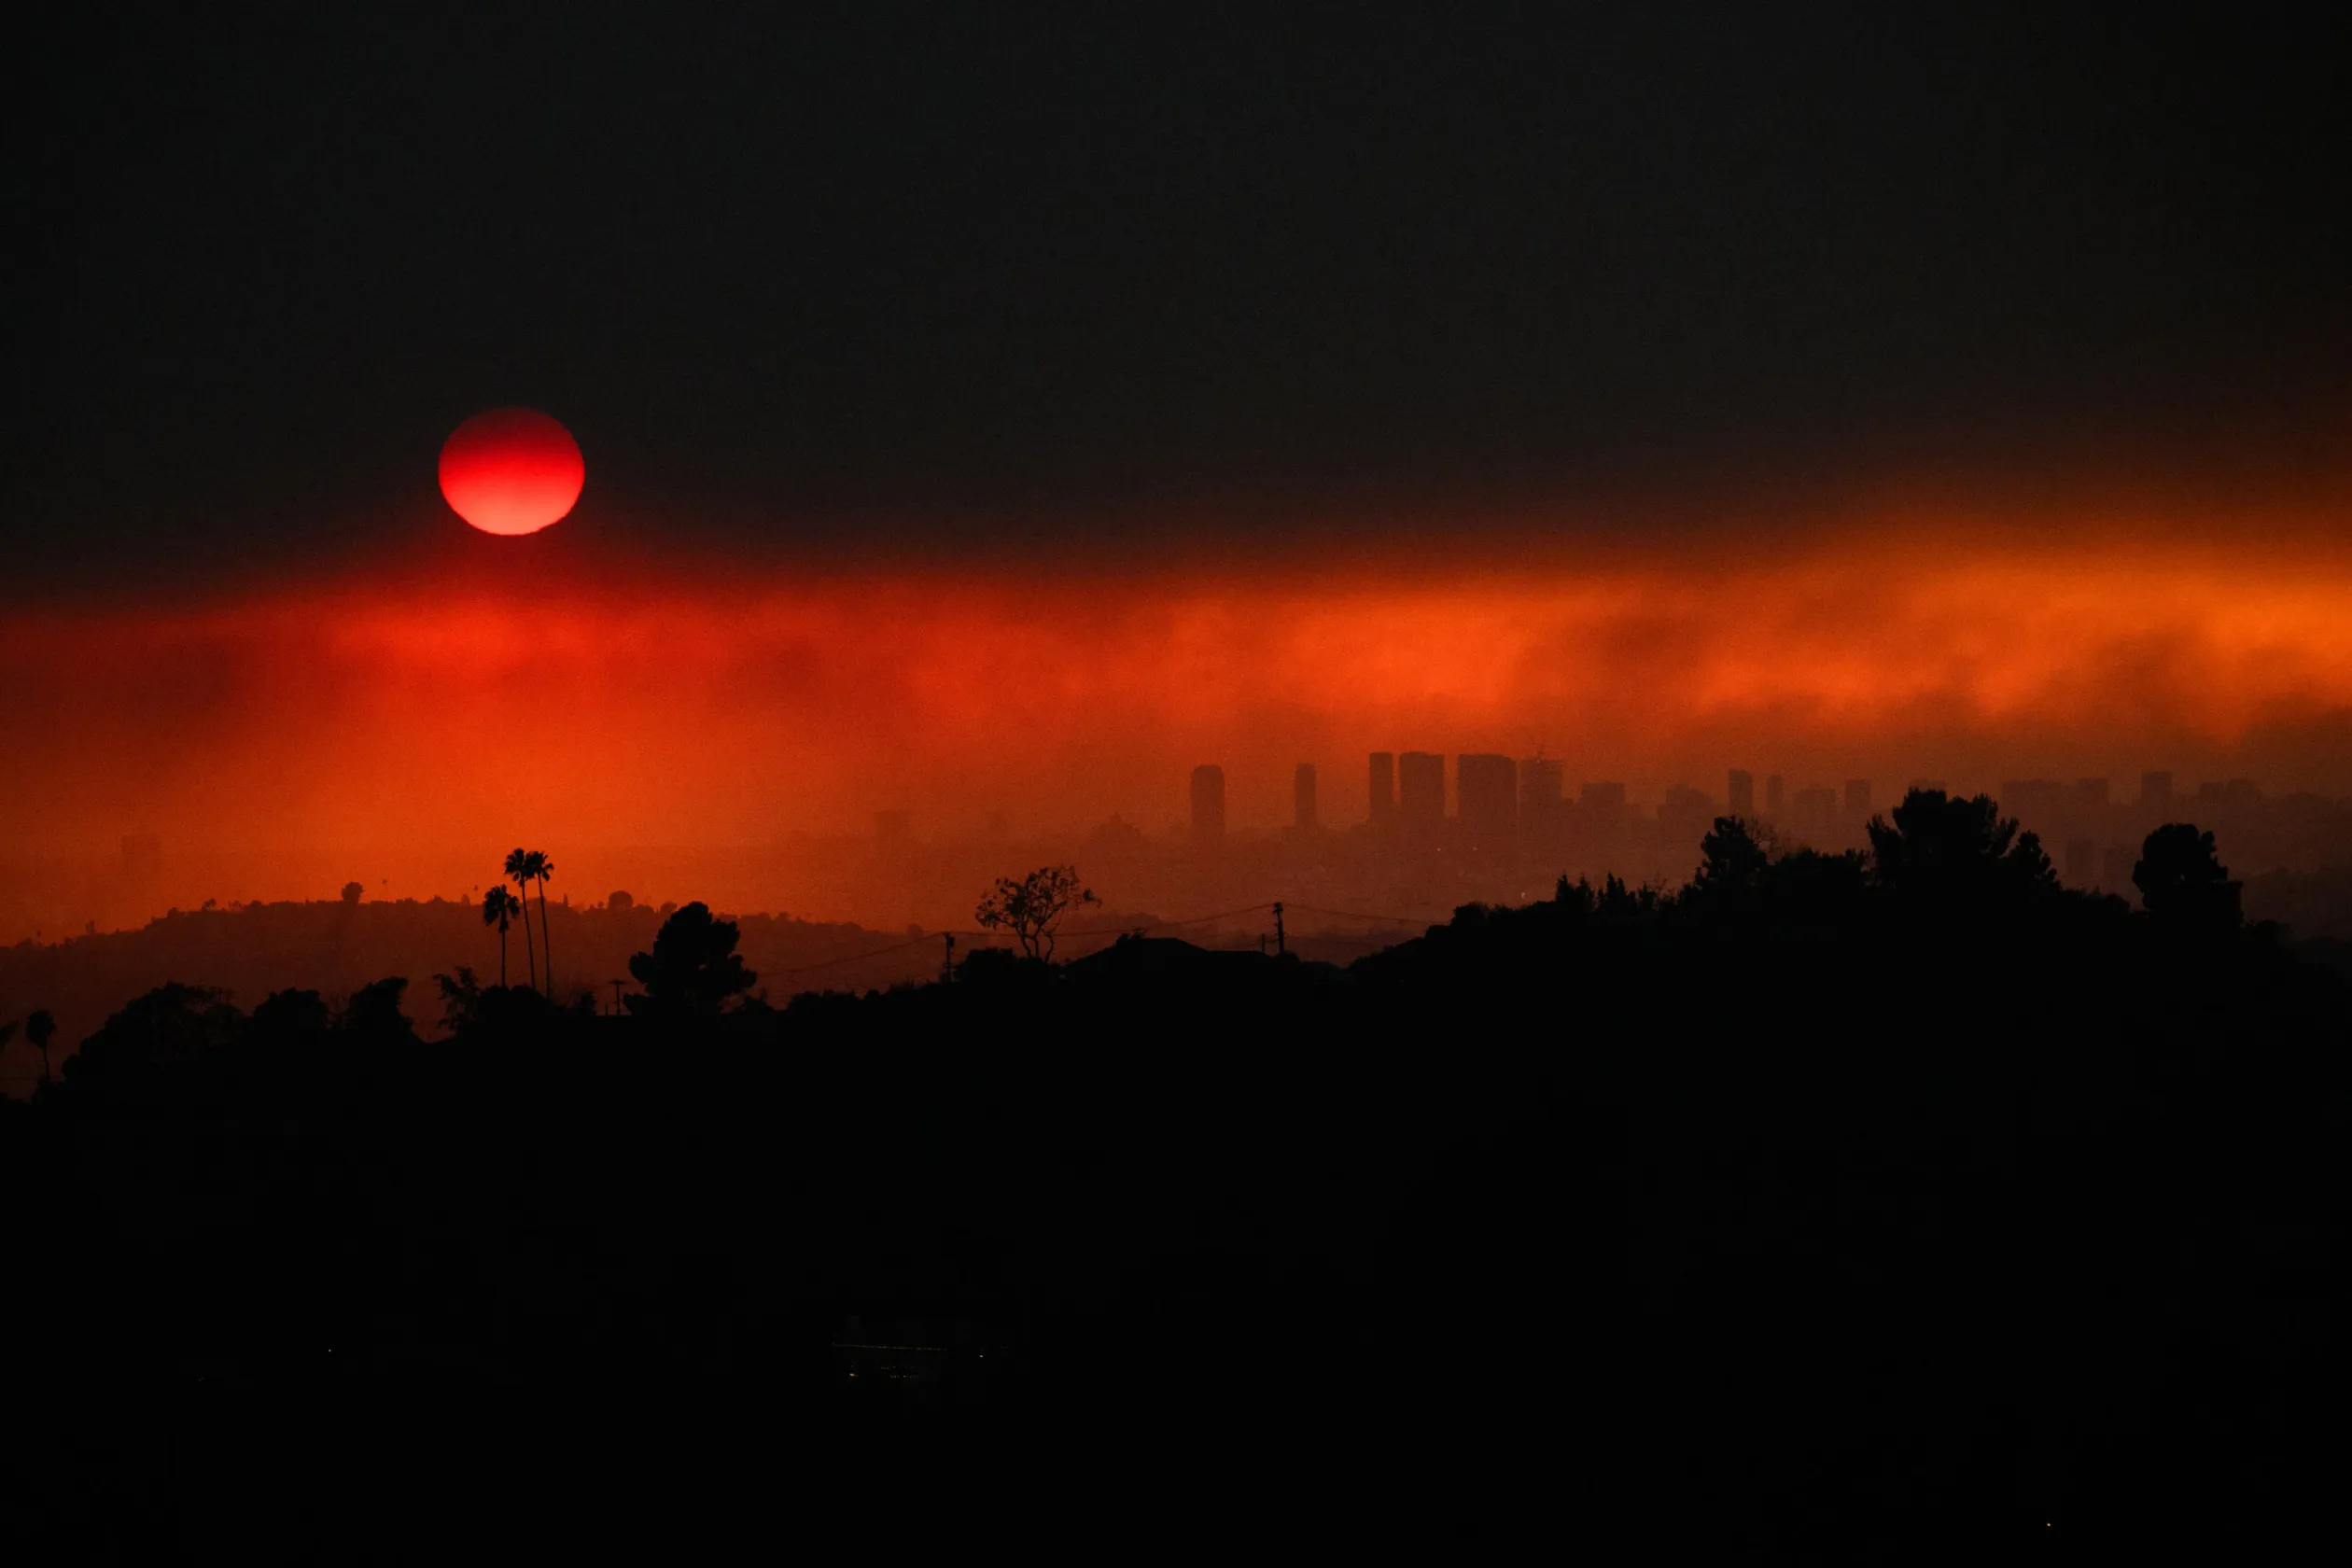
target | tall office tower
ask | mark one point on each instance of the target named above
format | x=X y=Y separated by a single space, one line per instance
x=1857 y=797
x=1539 y=791
x=1420 y=791
x=1487 y=787
x=2156 y=789
x=1775 y=795
x=2031 y=801
x=1208 y=802
x=1601 y=801
x=1383 y=788
x=1303 y=798
x=1740 y=799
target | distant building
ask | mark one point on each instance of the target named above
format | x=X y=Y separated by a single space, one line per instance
x=1539 y=791
x=1685 y=812
x=2156 y=789
x=2115 y=869
x=2031 y=797
x=1208 y=802
x=2081 y=862
x=1303 y=797
x=1420 y=791
x=1775 y=801
x=1857 y=798
x=1815 y=809
x=1602 y=804
x=1115 y=839
x=2091 y=794
x=1487 y=786
x=1383 y=788
x=1740 y=797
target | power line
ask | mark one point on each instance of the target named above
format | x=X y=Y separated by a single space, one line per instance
x=1360 y=915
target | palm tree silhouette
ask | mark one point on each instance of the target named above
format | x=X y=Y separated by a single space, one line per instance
x=539 y=868
x=517 y=869
x=498 y=906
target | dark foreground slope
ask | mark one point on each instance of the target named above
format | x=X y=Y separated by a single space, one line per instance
x=1820 y=1217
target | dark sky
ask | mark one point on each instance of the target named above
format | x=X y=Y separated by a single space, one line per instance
x=903 y=274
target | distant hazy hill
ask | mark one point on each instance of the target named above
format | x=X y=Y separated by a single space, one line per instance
x=336 y=947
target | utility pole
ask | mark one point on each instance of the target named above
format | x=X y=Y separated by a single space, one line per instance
x=947 y=960
x=616 y=998
x=1280 y=950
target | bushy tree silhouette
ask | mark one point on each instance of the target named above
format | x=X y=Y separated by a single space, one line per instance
x=172 y=1023
x=353 y=892
x=461 y=998
x=1957 y=857
x=694 y=969
x=1032 y=907
x=1732 y=866
x=518 y=871
x=289 y=1014
x=375 y=1012
x=2182 y=881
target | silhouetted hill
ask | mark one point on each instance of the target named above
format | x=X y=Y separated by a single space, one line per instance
x=1850 y=1205
x=335 y=947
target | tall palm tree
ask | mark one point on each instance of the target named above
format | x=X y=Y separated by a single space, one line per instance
x=539 y=868
x=517 y=869
x=498 y=908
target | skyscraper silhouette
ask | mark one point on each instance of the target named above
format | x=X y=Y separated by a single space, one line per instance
x=1383 y=789
x=1208 y=802
x=1487 y=786
x=1539 y=792
x=1739 y=795
x=1420 y=779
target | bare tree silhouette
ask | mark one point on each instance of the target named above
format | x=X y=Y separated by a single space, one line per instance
x=40 y=1028
x=498 y=907
x=1033 y=906
x=518 y=872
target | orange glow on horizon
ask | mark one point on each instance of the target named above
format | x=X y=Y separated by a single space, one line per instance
x=739 y=712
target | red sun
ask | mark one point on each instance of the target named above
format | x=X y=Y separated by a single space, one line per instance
x=511 y=470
